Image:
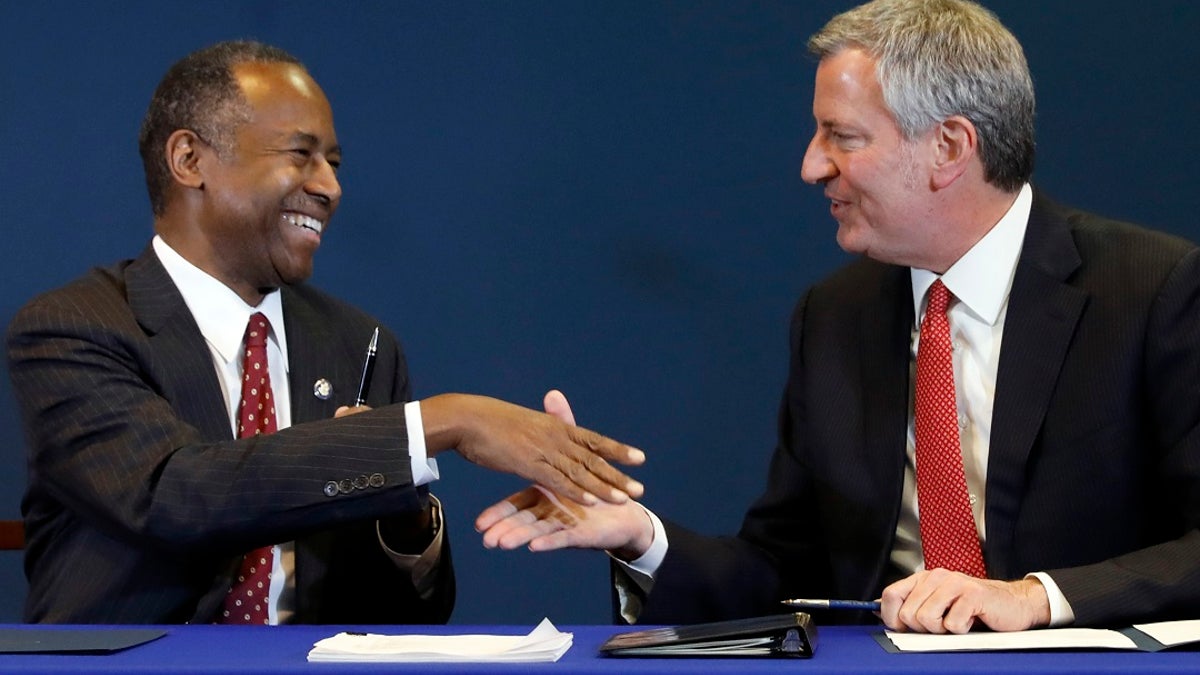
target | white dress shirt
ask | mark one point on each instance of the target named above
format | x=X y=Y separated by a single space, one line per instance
x=980 y=281
x=222 y=315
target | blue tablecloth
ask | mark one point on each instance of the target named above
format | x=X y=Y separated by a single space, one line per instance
x=840 y=649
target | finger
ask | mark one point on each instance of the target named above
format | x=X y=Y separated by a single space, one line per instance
x=930 y=615
x=520 y=536
x=960 y=616
x=961 y=599
x=345 y=411
x=556 y=404
x=493 y=535
x=892 y=599
x=552 y=542
x=524 y=499
x=597 y=449
x=925 y=608
x=606 y=448
x=494 y=514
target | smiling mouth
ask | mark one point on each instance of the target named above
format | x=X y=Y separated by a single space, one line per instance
x=303 y=221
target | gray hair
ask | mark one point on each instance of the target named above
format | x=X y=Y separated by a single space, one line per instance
x=939 y=58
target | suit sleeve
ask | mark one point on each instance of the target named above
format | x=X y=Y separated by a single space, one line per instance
x=107 y=444
x=366 y=583
x=1160 y=580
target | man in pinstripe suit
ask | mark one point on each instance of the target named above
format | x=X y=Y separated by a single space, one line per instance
x=140 y=502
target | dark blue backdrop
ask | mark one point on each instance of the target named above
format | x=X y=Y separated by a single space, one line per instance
x=597 y=196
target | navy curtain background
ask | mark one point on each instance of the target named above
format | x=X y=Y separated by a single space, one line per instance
x=602 y=197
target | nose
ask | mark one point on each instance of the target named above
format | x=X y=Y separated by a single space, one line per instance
x=323 y=183
x=816 y=167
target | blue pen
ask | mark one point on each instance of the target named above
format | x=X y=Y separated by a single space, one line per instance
x=861 y=605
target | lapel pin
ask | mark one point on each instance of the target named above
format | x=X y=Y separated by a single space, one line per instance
x=322 y=389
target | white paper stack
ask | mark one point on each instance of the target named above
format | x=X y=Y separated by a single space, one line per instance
x=544 y=644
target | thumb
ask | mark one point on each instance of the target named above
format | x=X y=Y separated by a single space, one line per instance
x=556 y=404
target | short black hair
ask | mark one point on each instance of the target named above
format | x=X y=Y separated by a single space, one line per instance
x=198 y=93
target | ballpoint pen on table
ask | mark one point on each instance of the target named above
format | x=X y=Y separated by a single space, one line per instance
x=364 y=385
x=804 y=603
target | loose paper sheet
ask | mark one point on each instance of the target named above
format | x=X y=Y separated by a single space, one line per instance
x=1167 y=633
x=1053 y=638
x=543 y=644
x=1172 y=633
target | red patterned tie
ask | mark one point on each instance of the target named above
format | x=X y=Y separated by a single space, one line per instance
x=247 y=599
x=948 y=534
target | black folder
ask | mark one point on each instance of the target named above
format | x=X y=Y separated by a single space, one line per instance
x=779 y=635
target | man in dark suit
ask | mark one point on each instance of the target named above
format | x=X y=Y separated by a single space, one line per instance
x=1074 y=404
x=141 y=503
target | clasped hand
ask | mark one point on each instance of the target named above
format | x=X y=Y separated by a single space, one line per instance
x=941 y=601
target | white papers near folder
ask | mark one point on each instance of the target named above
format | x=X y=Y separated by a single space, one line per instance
x=543 y=644
x=1143 y=637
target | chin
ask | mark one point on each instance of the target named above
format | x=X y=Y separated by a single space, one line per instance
x=295 y=276
x=849 y=243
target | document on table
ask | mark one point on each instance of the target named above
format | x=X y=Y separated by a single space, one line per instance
x=1143 y=637
x=543 y=644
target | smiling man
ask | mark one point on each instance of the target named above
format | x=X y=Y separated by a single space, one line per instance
x=193 y=455
x=992 y=418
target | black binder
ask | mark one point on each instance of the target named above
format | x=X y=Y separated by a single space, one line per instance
x=780 y=635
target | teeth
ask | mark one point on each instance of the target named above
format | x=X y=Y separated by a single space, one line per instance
x=307 y=222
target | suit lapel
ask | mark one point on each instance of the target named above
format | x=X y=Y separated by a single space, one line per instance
x=1043 y=311
x=887 y=330
x=182 y=360
x=314 y=353
x=183 y=368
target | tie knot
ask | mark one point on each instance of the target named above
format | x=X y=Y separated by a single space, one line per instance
x=257 y=329
x=939 y=298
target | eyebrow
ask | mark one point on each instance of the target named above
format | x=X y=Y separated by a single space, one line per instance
x=310 y=139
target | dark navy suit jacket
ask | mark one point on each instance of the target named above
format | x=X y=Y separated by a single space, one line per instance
x=140 y=501
x=1094 y=465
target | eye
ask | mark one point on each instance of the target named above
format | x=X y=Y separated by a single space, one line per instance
x=304 y=153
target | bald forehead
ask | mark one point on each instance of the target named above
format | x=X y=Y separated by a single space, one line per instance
x=260 y=81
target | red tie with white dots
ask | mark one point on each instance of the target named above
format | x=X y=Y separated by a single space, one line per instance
x=247 y=599
x=948 y=534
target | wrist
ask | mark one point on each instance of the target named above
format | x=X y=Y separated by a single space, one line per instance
x=641 y=538
x=1037 y=600
x=443 y=421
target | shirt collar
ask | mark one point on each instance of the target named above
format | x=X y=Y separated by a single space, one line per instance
x=220 y=313
x=982 y=278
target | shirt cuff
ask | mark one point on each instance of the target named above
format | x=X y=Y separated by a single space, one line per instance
x=651 y=560
x=1061 y=613
x=638 y=577
x=422 y=567
x=424 y=468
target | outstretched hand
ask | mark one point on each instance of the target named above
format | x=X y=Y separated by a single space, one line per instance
x=570 y=460
x=539 y=518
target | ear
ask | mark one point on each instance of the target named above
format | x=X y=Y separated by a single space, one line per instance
x=184 y=149
x=957 y=146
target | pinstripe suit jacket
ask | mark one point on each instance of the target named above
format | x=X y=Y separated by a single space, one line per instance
x=140 y=501
x=1094 y=467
